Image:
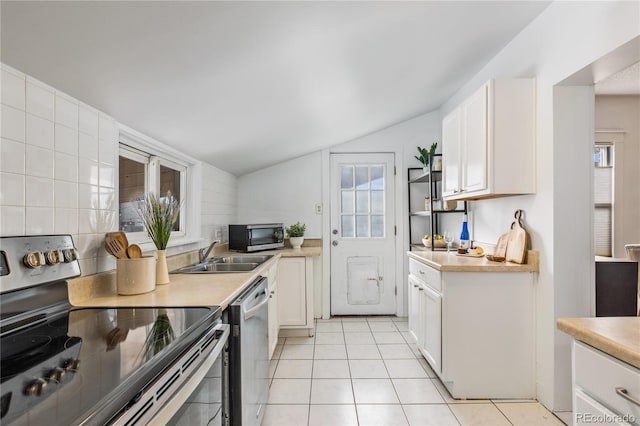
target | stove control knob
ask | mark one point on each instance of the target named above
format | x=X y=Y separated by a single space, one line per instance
x=70 y=255
x=55 y=375
x=54 y=256
x=71 y=364
x=35 y=388
x=33 y=260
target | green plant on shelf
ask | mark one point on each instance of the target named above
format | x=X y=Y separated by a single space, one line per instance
x=426 y=154
x=296 y=230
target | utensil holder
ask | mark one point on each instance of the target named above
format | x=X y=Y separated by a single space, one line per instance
x=136 y=276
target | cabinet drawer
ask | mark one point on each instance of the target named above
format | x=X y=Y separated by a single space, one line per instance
x=425 y=273
x=598 y=375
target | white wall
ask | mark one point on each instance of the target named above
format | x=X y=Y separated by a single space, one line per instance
x=219 y=191
x=565 y=38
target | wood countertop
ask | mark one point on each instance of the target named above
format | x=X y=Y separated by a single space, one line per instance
x=183 y=290
x=616 y=336
x=451 y=262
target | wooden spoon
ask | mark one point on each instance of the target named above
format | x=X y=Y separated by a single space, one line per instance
x=134 y=251
x=114 y=247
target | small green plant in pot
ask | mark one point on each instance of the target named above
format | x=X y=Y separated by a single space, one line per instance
x=295 y=233
x=426 y=154
x=159 y=215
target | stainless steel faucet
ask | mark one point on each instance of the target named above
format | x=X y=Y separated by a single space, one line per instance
x=204 y=252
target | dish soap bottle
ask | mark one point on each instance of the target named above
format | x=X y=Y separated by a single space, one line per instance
x=464 y=236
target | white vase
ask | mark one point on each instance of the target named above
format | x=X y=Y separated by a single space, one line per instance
x=162 y=273
x=296 y=242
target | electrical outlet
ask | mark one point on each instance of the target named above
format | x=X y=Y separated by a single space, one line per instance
x=318 y=208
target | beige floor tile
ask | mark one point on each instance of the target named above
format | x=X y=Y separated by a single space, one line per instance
x=294 y=369
x=352 y=326
x=363 y=352
x=565 y=416
x=405 y=369
x=290 y=391
x=375 y=318
x=333 y=415
x=272 y=367
x=478 y=414
x=300 y=340
x=330 y=338
x=528 y=414
x=330 y=352
x=449 y=400
x=423 y=362
x=430 y=415
x=400 y=319
x=331 y=369
x=385 y=337
x=402 y=325
x=417 y=391
x=281 y=340
x=297 y=352
x=332 y=319
x=277 y=352
x=408 y=337
x=396 y=351
x=354 y=318
x=374 y=391
x=368 y=369
x=331 y=391
x=359 y=338
x=285 y=415
x=383 y=326
x=329 y=327
x=381 y=415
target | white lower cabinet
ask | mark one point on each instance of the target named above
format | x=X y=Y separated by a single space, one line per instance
x=274 y=322
x=295 y=294
x=475 y=329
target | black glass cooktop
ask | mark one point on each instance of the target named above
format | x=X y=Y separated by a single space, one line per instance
x=86 y=363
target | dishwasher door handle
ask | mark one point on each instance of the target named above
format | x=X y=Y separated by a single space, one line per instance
x=252 y=311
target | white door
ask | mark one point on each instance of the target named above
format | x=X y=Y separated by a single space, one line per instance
x=362 y=234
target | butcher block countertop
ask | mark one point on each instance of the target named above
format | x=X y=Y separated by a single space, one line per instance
x=183 y=290
x=451 y=262
x=616 y=336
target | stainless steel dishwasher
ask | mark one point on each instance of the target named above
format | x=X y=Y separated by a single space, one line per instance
x=249 y=355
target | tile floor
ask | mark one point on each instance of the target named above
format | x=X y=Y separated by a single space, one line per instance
x=368 y=371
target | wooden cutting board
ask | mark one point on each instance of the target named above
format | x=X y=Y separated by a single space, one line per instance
x=518 y=239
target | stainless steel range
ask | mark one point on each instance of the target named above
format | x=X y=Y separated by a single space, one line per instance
x=63 y=365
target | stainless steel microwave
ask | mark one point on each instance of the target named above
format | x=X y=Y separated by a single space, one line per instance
x=249 y=238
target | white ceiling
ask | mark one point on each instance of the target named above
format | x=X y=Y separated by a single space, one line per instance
x=243 y=85
x=625 y=82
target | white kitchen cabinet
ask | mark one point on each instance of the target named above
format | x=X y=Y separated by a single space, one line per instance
x=295 y=294
x=475 y=329
x=598 y=379
x=488 y=142
x=274 y=321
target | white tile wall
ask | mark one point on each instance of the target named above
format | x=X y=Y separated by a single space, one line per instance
x=219 y=190
x=57 y=168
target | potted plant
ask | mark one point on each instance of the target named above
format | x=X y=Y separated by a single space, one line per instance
x=160 y=336
x=425 y=155
x=296 y=234
x=159 y=214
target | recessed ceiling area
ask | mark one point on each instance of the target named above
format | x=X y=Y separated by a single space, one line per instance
x=243 y=85
x=625 y=82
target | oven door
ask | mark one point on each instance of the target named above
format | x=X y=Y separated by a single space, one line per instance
x=203 y=399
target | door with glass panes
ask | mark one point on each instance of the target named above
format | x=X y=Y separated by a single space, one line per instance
x=362 y=234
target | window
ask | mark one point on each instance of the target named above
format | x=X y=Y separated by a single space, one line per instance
x=141 y=172
x=362 y=201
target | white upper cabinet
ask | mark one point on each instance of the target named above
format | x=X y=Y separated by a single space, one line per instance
x=488 y=142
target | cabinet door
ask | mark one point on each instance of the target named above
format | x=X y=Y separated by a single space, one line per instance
x=474 y=141
x=451 y=153
x=292 y=300
x=274 y=322
x=588 y=410
x=431 y=309
x=415 y=327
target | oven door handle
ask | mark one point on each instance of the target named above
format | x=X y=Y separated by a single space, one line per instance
x=252 y=311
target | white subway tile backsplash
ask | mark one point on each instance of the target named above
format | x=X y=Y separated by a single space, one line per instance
x=107 y=221
x=66 y=112
x=88 y=196
x=39 y=221
x=13 y=89
x=65 y=195
x=107 y=152
x=66 y=221
x=40 y=100
x=88 y=221
x=88 y=266
x=90 y=245
x=106 y=128
x=88 y=121
x=39 y=193
x=12 y=189
x=12 y=220
x=88 y=146
x=65 y=167
x=39 y=132
x=107 y=175
x=12 y=156
x=12 y=123
x=66 y=140
x=39 y=162
x=107 y=199
x=88 y=171
x=105 y=263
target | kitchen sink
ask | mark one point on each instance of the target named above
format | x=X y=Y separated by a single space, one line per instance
x=226 y=264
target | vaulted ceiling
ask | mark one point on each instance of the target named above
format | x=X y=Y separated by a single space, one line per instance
x=243 y=85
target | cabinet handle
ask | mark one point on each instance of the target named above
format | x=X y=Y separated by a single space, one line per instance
x=415 y=285
x=421 y=272
x=625 y=394
x=421 y=289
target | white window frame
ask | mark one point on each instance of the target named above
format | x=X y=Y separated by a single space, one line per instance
x=153 y=154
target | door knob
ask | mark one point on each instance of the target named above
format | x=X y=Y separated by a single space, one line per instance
x=334 y=243
x=334 y=232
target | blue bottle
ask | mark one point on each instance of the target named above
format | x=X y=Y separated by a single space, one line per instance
x=464 y=235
